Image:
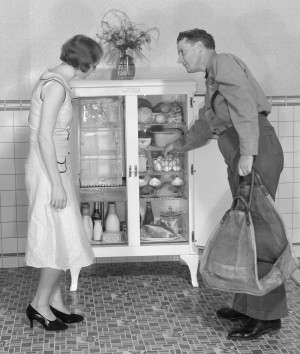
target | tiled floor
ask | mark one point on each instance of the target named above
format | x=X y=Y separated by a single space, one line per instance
x=135 y=308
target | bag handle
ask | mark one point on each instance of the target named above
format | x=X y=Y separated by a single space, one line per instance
x=238 y=197
x=253 y=175
x=233 y=205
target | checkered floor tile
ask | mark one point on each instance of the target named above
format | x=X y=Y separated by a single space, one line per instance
x=134 y=308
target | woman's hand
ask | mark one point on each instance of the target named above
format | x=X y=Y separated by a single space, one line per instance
x=58 y=197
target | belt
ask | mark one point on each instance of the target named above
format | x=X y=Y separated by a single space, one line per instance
x=221 y=130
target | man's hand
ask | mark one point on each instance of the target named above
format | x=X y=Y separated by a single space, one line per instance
x=245 y=165
x=168 y=148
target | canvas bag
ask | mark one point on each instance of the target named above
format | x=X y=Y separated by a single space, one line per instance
x=251 y=231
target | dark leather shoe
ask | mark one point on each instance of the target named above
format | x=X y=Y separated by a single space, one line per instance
x=72 y=318
x=253 y=329
x=230 y=314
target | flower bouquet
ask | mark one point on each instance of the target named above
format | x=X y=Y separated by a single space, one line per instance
x=124 y=39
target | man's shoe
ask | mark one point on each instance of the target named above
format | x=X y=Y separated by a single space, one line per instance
x=230 y=314
x=253 y=329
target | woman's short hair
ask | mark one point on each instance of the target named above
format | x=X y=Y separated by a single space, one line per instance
x=81 y=52
x=196 y=35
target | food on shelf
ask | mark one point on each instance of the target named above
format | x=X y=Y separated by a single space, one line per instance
x=156 y=231
x=171 y=110
x=175 y=114
x=167 y=164
x=177 y=182
x=160 y=118
x=142 y=102
x=155 y=182
x=142 y=182
x=144 y=115
x=163 y=107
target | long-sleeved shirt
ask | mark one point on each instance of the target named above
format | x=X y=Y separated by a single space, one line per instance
x=237 y=100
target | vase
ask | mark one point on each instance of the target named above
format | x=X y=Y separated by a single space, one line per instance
x=126 y=67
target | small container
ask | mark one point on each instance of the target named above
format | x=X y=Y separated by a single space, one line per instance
x=142 y=161
x=144 y=142
x=123 y=226
x=98 y=230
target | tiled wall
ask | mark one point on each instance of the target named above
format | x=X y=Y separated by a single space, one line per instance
x=13 y=199
x=285 y=118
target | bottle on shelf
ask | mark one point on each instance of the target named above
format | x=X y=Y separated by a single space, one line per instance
x=96 y=212
x=87 y=220
x=149 y=217
x=98 y=230
x=112 y=222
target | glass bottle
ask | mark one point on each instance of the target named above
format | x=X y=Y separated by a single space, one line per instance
x=96 y=212
x=87 y=221
x=112 y=222
x=149 y=217
x=98 y=230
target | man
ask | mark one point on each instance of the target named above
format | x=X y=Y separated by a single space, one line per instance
x=236 y=110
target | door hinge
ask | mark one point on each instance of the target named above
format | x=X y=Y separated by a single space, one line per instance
x=192 y=169
x=191 y=102
x=193 y=236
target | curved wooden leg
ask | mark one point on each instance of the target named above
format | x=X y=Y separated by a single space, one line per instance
x=192 y=261
x=74 y=278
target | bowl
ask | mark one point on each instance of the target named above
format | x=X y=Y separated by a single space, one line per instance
x=144 y=142
x=166 y=136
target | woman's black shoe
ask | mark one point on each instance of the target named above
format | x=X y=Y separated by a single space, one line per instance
x=55 y=325
x=72 y=318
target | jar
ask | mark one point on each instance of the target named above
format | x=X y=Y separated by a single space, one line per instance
x=142 y=161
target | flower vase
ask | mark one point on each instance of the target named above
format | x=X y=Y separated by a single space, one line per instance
x=126 y=67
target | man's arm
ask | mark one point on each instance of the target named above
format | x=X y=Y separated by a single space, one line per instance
x=197 y=136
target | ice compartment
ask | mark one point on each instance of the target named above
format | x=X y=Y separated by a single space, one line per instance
x=100 y=112
x=100 y=142
x=103 y=171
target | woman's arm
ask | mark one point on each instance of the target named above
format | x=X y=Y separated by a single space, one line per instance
x=53 y=95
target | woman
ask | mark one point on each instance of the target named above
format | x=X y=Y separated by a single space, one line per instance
x=56 y=239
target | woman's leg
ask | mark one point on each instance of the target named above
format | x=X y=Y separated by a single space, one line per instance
x=56 y=300
x=49 y=279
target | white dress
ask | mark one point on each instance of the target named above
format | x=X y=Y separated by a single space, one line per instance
x=56 y=237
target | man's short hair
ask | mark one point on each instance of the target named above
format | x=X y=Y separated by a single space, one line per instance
x=196 y=35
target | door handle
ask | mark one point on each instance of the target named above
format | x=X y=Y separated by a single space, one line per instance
x=135 y=170
x=130 y=171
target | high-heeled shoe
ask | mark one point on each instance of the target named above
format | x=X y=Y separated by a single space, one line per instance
x=72 y=318
x=55 y=325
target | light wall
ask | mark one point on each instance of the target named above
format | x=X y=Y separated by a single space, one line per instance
x=264 y=33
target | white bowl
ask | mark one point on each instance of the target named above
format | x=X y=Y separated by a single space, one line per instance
x=166 y=136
